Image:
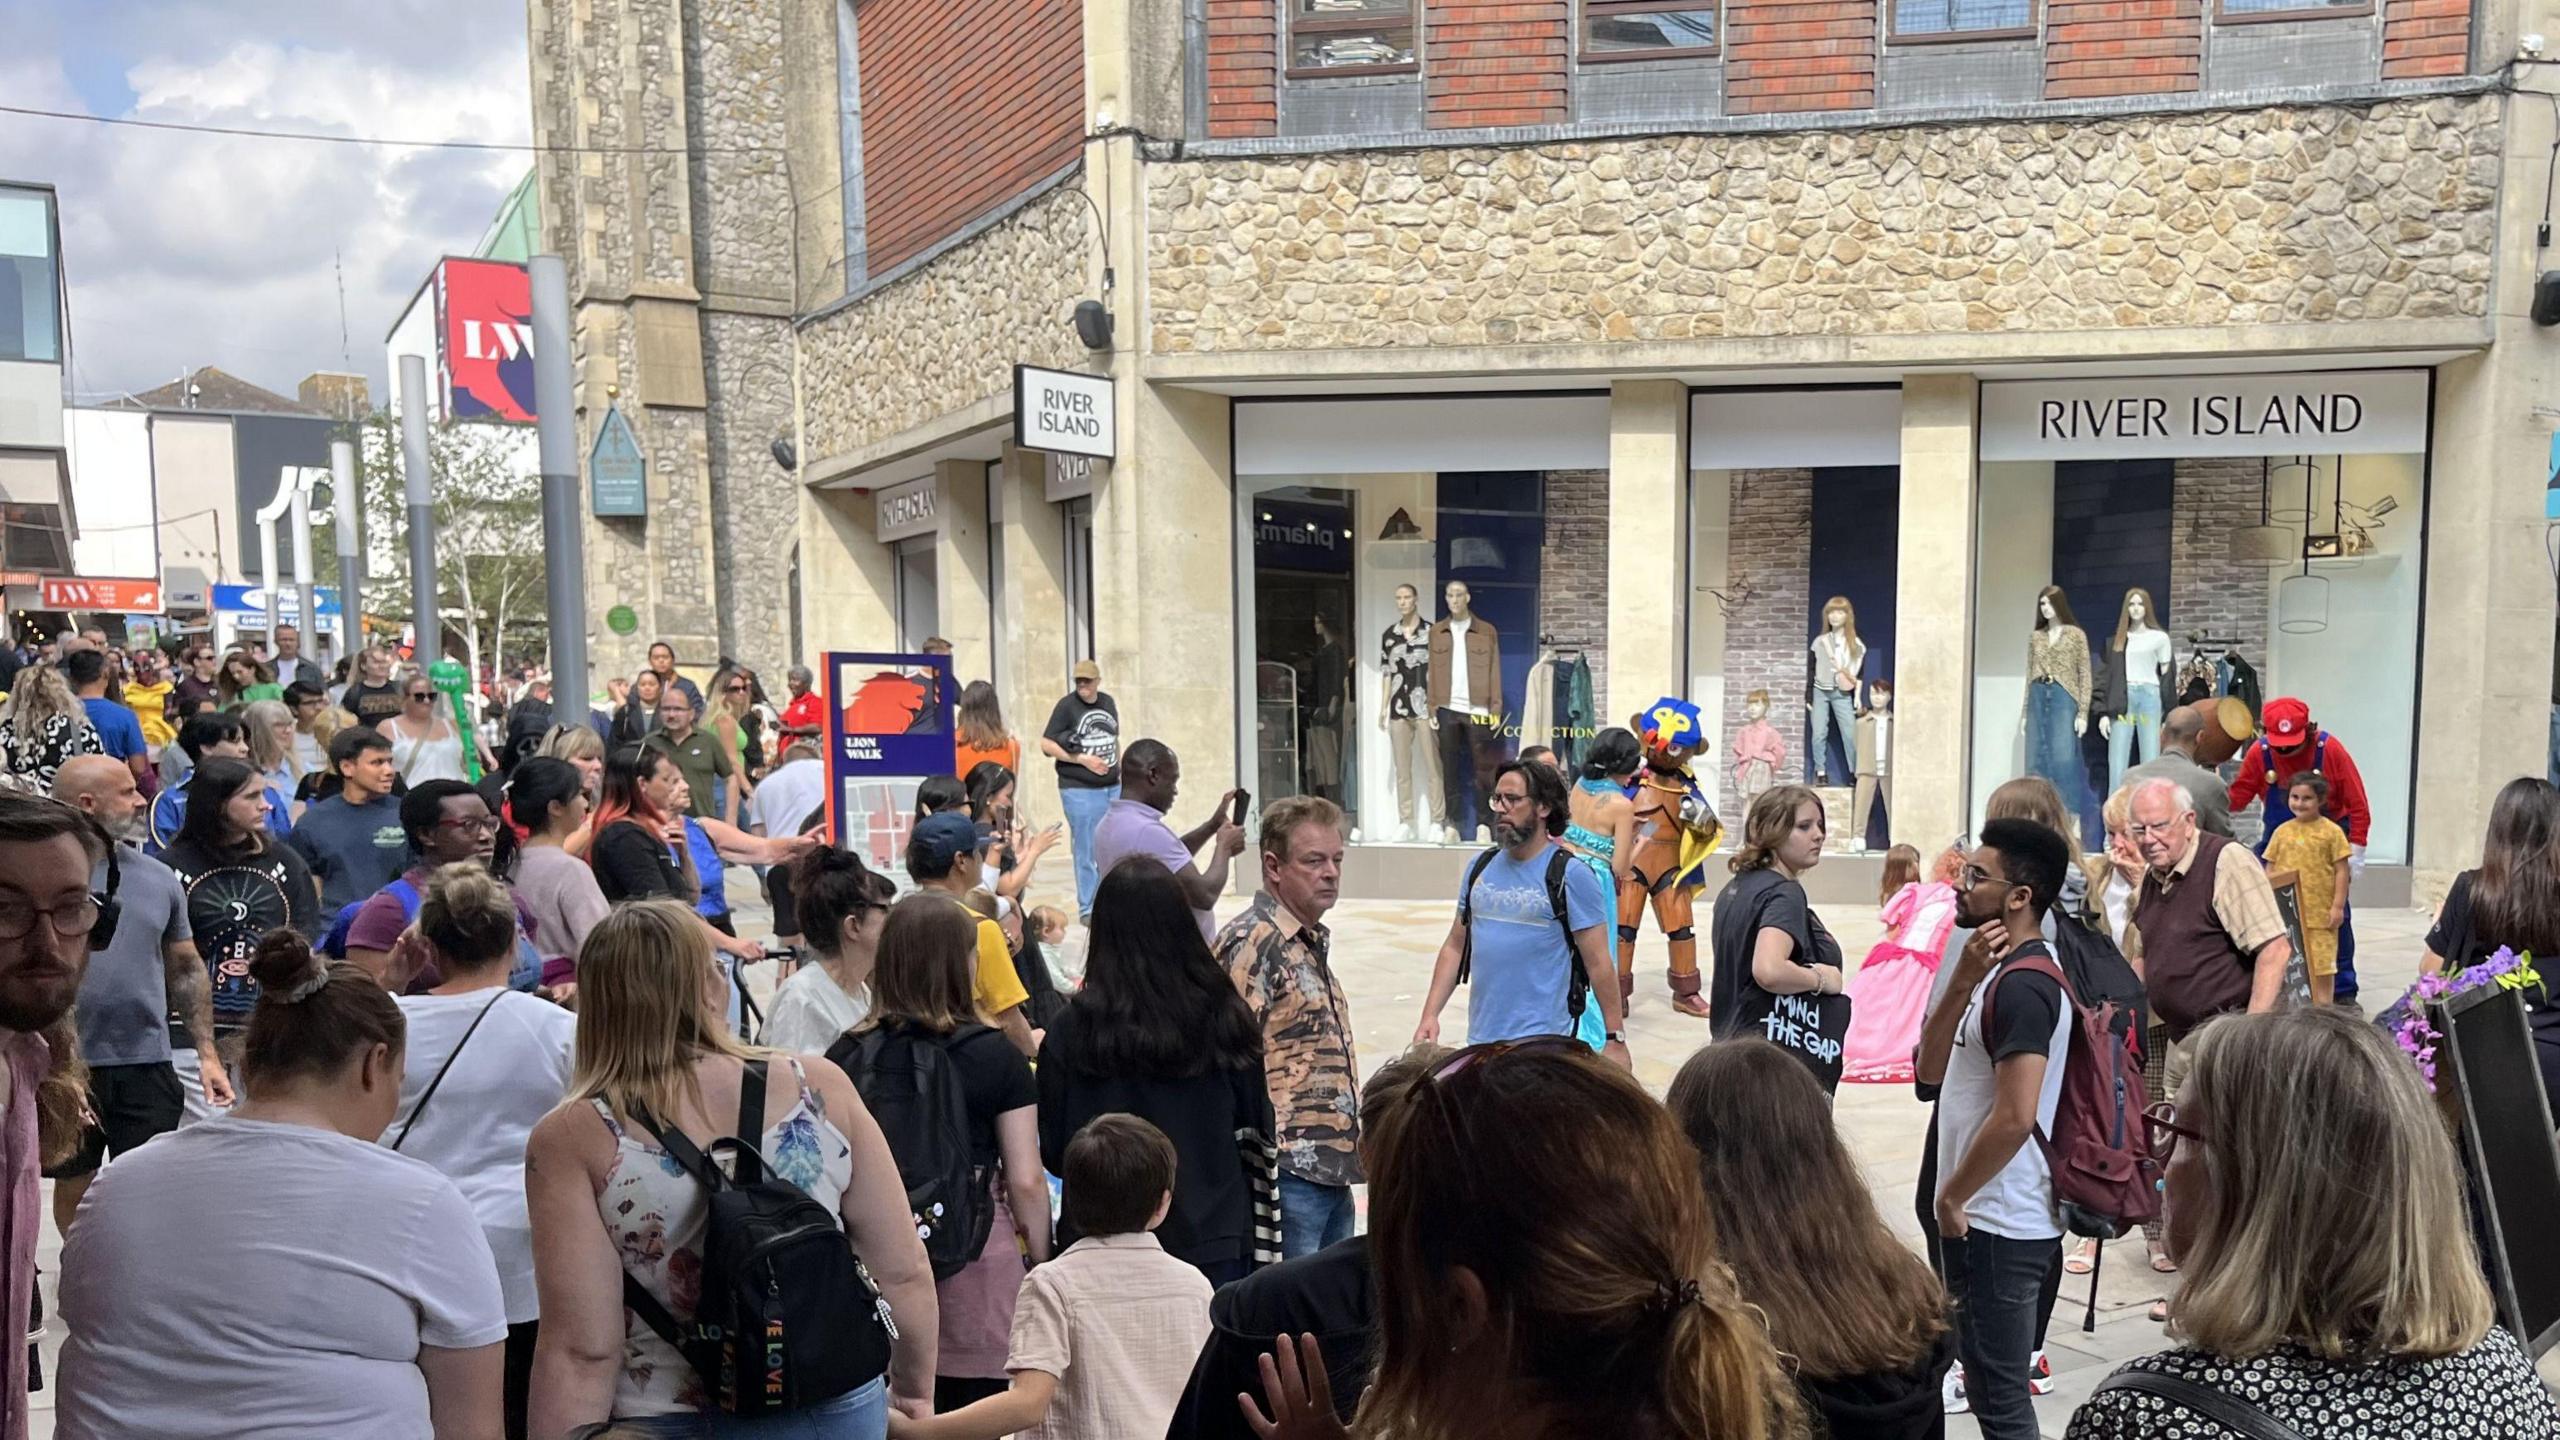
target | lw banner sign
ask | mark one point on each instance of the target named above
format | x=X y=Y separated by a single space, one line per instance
x=1064 y=412
x=72 y=592
x=2342 y=412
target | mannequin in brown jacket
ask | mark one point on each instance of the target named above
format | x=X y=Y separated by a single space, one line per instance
x=1466 y=709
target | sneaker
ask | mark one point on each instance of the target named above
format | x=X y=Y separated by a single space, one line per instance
x=2040 y=1375
x=1952 y=1392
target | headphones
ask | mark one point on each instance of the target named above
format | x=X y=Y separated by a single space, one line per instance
x=103 y=934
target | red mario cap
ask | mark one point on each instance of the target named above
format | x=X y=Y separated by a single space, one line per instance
x=2287 y=722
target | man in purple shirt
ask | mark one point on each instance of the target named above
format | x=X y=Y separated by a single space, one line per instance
x=48 y=915
x=1135 y=825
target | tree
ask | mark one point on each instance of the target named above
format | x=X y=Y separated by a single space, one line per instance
x=486 y=497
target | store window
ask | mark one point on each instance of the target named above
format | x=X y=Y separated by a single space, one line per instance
x=2232 y=11
x=919 y=596
x=1919 y=20
x=2216 y=541
x=1077 y=516
x=1350 y=37
x=1647 y=30
x=30 y=309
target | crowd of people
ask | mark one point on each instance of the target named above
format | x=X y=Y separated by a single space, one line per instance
x=506 y=1146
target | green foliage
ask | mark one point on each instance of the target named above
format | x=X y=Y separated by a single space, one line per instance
x=487 y=505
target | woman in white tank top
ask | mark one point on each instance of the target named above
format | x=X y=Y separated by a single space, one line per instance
x=424 y=743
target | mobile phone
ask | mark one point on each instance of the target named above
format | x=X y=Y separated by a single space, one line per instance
x=1244 y=804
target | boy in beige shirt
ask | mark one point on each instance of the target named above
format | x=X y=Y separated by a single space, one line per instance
x=1103 y=1335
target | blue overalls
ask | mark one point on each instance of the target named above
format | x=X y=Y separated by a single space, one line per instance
x=2273 y=811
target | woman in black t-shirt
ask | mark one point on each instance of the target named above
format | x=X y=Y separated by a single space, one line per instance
x=240 y=884
x=1768 y=941
x=2511 y=901
x=639 y=851
x=372 y=699
x=922 y=989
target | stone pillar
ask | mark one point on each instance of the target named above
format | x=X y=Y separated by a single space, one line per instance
x=848 y=579
x=1031 y=669
x=1933 y=609
x=1648 y=545
x=964 y=576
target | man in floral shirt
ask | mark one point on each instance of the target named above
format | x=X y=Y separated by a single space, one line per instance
x=1276 y=954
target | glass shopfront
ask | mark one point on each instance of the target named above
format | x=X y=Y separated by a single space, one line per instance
x=2218 y=541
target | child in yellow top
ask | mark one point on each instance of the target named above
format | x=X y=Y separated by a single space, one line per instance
x=2313 y=847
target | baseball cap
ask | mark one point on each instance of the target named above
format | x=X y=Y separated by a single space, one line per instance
x=944 y=838
x=1087 y=670
x=2287 y=722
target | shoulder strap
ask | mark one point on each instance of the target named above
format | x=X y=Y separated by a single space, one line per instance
x=751 y=1114
x=421 y=1107
x=2032 y=963
x=1467 y=910
x=2229 y=1411
x=407 y=894
x=1556 y=863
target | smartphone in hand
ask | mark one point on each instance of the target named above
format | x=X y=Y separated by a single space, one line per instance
x=1244 y=805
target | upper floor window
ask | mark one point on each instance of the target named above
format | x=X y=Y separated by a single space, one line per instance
x=1962 y=19
x=1350 y=37
x=30 y=294
x=2228 y=11
x=1647 y=29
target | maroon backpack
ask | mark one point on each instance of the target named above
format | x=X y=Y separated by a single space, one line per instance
x=2104 y=1180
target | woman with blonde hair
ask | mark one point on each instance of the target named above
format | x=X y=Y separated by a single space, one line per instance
x=1546 y=1268
x=46 y=726
x=2371 y=1320
x=270 y=733
x=983 y=736
x=582 y=747
x=655 y=1056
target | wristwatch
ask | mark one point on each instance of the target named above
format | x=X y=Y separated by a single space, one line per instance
x=1614 y=1037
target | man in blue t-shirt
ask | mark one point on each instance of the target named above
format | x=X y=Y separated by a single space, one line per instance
x=119 y=729
x=1520 y=964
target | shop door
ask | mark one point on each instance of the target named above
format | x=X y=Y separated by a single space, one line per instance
x=919 y=595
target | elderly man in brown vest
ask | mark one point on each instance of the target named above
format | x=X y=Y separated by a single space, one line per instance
x=2212 y=938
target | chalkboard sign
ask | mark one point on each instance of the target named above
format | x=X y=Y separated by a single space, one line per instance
x=2486 y=1064
x=2296 y=989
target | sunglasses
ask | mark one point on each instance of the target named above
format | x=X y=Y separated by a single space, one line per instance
x=417 y=695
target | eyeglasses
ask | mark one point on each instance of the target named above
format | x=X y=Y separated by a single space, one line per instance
x=1975 y=875
x=475 y=824
x=70 y=920
x=2140 y=830
x=1495 y=1049
x=740 y=689
x=2166 y=1132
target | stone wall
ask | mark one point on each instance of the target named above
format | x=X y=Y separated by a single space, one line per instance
x=746 y=371
x=1573 y=570
x=2376 y=212
x=1769 y=567
x=949 y=333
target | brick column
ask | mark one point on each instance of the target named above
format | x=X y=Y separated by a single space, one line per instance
x=2123 y=47
x=1496 y=62
x=1799 y=55
x=2425 y=37
x=1244 y=67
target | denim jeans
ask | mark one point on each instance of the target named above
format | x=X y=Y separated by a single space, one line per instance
x=2053 y=749
x=1084 y=806
x=2141 y=717
x=860 y=1415
x=1995 y=1282
x=1832 y=710
x=1312 y=1216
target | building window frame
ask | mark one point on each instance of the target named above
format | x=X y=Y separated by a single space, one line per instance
x=1349 y=23
x=2307 y=10
x=1894 y=34
x=1600 y=9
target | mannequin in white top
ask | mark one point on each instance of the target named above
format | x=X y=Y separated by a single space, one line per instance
x=1466 y=709
x=1839 y=656
x=2137 y=676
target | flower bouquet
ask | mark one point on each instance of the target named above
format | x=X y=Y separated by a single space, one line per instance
x=2410 y=1024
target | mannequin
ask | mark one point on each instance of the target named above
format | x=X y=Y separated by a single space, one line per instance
x=1404 y=674
x=1759 y=750
x=2057 y=708
x=1466 y=711
x=1675 y=830
x=1327 y=677
x=1838 y=657
x=1875 y=763
x=2132 y=682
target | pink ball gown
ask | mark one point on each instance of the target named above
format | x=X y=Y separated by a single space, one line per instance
x=1891 y=988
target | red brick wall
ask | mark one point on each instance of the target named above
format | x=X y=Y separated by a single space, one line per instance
x=1797 y=55
x=1495 y=62
x=2425 y=37
x=2122 y=47
x=959 y=116
x=1244 y=67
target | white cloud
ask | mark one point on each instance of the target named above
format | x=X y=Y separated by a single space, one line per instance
x=192 y=249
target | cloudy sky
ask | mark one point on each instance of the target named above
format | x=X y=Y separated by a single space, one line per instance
x=188 y=250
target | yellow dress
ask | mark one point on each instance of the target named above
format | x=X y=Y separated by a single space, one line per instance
x=2311 y=849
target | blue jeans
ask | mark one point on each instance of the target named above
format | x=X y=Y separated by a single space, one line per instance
x=1084 y=806
x=2141 y=716
x=2053 y=749
x=1312 y=1216
x=1832 y=710
x=861 y=1415
x=1996 y=1282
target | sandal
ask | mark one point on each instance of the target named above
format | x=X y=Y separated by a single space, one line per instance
x=2082 y=1260
x=2161 y=1263
x=2160 y=1311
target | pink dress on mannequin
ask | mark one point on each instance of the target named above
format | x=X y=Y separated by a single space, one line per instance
x=1891 y=989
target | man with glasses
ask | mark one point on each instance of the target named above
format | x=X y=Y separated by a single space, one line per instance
x=1083 y=736
x=447 y=823
x=701 y=755
x=2176 y=762
x=48 y=910
x=1518 y=946
x=2212 y=944
x=1998 y=1060
x=195 y=682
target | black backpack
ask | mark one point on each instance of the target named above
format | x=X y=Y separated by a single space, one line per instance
x=912 y=1088
x=788 y=1317
x=1577 y=989
x=2100 y=975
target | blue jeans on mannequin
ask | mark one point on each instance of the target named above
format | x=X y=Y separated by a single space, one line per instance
x=1084 y=806
x=1313 y=1216
x=2141 y=717
x=2053 y=749
x=1832 y=710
